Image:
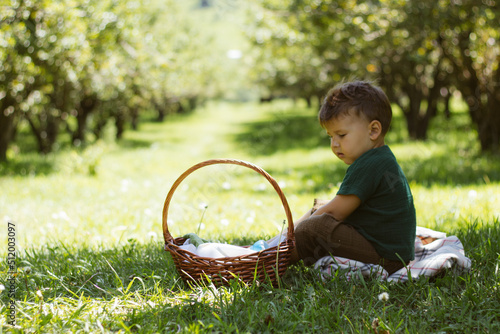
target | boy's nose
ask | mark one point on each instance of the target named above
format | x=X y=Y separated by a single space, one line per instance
x=335 y=143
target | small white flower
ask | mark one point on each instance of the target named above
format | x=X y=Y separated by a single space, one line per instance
x=260 y=187
x=226 y=186
x=202 y=206
x=27 y=270
x=383 y=297
x=39 y=294
x=472 y=195
x=63 y=215
x=124 y=185
x=224 y=222
x=2 y=287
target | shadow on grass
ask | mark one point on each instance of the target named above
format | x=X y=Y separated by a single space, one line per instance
x=452 y=169
x=281 y=133
x=69 y=270
x=27 y=165
x=135 y=143
x=288 y=130
x=435 y=170
x=448 y=165
x=98 y=272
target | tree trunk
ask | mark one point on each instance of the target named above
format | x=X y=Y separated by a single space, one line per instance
x=489 y=125
x=416 y=128
x=99 y=127
x=483 y=100
x=191 y=103
x=120 y=124
x=84 y=109
x=46 y=133
x=134 y=113
x=8 y=125
x=447 y=111
x=161 y=113
x=161 y=107
x=308 y=101
x=486 y=117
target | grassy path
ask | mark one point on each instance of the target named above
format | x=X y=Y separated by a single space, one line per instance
x=124 y=198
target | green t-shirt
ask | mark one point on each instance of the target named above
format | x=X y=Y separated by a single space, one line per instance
x=386 y=216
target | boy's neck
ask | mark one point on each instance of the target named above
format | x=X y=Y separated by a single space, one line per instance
x=379 y=142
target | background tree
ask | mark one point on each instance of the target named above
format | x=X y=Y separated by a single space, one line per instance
x=418 y=51
x=470 y=37
x=33 y=86
x=79 y=67
x=13 y=71
x=410 y=61
x=74 y=67
x=304 y=44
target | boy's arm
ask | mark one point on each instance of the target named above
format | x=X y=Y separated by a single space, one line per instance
x=340 y=207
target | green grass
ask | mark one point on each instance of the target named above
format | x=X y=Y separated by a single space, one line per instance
x=90 y=247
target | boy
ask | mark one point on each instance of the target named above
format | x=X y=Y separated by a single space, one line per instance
x=372 y=217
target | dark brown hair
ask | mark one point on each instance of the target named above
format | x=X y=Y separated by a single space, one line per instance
x=360 y=97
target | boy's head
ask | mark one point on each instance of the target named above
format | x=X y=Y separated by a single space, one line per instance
x=359 y=98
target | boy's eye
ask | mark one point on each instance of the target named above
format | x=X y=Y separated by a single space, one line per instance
x=342 y=135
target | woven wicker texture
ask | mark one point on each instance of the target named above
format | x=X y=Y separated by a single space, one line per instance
x=269 y=264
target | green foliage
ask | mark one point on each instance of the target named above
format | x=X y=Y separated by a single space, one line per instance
x=73 y=66
x=421 y=53
x=69 y=68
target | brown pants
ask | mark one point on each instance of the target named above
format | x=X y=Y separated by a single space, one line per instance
x=323 y=235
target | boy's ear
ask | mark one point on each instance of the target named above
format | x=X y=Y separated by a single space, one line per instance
x=375 y=129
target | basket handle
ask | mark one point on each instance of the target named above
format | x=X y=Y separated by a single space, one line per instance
x=166 y=233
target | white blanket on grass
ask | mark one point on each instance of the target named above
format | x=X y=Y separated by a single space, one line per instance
x=430 y=260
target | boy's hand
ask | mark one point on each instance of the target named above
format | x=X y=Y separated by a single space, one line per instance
x=340 y=207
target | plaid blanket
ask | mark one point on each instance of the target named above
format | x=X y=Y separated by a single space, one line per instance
x=434 y=253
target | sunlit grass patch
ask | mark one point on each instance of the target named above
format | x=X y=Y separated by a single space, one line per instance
x=448 y=208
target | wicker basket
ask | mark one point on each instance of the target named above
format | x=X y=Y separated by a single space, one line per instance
x=269 y=264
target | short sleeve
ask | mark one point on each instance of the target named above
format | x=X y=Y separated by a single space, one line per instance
x=362 y=178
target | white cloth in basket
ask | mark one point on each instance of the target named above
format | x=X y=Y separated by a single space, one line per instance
x=217 y=250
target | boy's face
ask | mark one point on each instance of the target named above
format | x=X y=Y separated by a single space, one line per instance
x=352 y=135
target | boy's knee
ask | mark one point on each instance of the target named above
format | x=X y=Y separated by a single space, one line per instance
x=315 y=222
x=313 y=237
x=315 y=226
